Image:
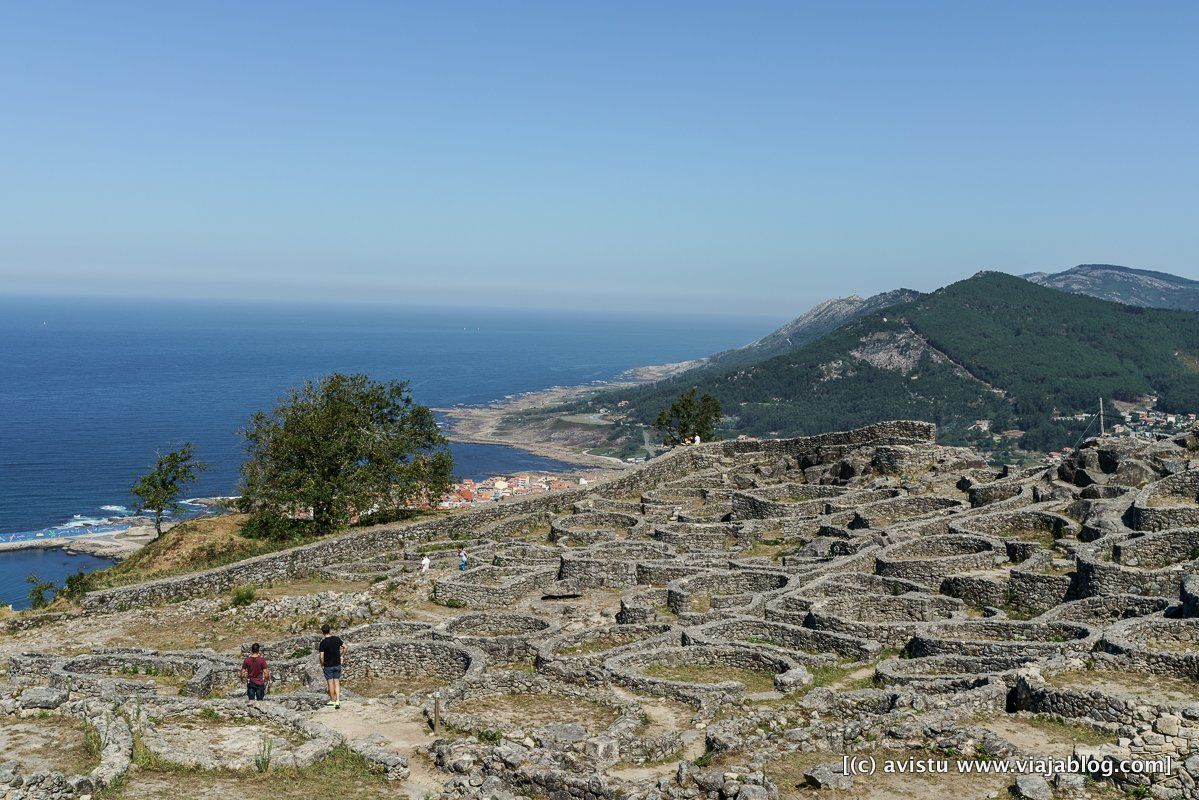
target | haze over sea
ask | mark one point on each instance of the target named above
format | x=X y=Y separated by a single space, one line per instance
x=90 y=389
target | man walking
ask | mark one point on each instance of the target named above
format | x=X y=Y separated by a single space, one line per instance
x=332 y=656
x=462 y=559
x=254 y=674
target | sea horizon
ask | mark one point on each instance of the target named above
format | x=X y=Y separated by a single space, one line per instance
x=94 y=388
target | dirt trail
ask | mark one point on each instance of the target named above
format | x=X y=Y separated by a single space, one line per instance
x=403 y=726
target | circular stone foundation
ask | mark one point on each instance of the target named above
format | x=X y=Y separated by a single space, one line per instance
x=705 y=674
x=403 y=667
x=226 y=736
x=993 y=637
x=503 y=636
x=514 y=704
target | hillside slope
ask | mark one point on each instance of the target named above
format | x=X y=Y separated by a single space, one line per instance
x=994 y=346
x=819 y=321
x=1134 y=287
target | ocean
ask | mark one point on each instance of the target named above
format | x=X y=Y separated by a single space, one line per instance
x=90 y=389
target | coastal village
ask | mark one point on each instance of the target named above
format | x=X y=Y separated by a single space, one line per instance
x=468 y=492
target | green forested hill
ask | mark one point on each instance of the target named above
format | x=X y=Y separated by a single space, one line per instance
x=994 y=346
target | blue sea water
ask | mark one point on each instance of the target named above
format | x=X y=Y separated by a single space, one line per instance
x=90 y=389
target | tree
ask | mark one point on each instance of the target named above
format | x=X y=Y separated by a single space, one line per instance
x=688 y=417
x=159 y=490
x=37 y=591
x=344 y=447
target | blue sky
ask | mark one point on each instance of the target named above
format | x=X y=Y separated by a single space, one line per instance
x=742 y=157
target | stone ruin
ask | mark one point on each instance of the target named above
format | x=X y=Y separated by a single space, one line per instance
x=773 y=607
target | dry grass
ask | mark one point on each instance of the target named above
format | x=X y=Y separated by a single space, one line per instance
x=755 y=680
x=1170 y=501
x=767 y=548
x=48 y=742
x=1044 y=731
x=788 y=775
x=1041 y=537
x=535 y=710
x=386 y=685
x=188 y=547
x=341 y=776
x=1154 y=687
x=599 y=644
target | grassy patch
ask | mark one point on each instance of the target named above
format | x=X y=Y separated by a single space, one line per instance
x=755 y=680
x=384 y=685
x=535 y=710
x=599 y=644
x=767 y=548
x=1155 y=687
x=343 y=775
x=191 y=546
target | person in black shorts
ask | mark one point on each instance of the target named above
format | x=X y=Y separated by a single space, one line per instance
x=255 y=673
x=332 y=652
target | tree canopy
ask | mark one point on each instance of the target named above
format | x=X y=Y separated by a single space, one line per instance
x=159 y=489
x=341 y=448
x=689 y=417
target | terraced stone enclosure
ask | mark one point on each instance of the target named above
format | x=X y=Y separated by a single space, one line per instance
x=728 y=621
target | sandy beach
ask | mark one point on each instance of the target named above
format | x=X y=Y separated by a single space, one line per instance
x=484 y=424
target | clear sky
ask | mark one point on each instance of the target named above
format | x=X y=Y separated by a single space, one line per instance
x=749 y=157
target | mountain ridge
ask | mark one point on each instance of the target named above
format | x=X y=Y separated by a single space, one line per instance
x=1128 y=285
x=994 y=346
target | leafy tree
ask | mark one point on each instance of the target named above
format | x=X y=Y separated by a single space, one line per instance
x=688 y=417
x=77 y=585
x=345 y=446
x=159 y=490
x=37 y=591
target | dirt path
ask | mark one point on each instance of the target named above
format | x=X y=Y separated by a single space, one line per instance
x=403 y=726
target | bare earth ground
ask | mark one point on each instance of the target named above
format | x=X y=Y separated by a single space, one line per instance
x=1043 y=736
x=1153 y=687
x=235 y=745
x=46 y=743
x=788 y=774
x=403 y=726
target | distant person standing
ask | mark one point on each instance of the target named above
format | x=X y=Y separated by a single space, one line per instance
x=254 y=674
x=697 y=438
x=462 y=559
x=332 y=654
x=424 y=565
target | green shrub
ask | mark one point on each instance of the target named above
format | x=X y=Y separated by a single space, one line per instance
x=262 y=761
x=263 y=525
x=242 y=596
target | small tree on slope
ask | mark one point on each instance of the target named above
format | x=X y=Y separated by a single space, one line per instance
x=159 y=490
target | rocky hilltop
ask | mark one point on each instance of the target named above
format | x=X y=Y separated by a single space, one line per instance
x=731 y=621
x=818 y=321
x=992 y=347
x=1134 y=287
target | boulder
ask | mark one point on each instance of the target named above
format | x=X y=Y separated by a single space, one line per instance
x=828 y=776
x=42 y=697
x=1033 y=787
